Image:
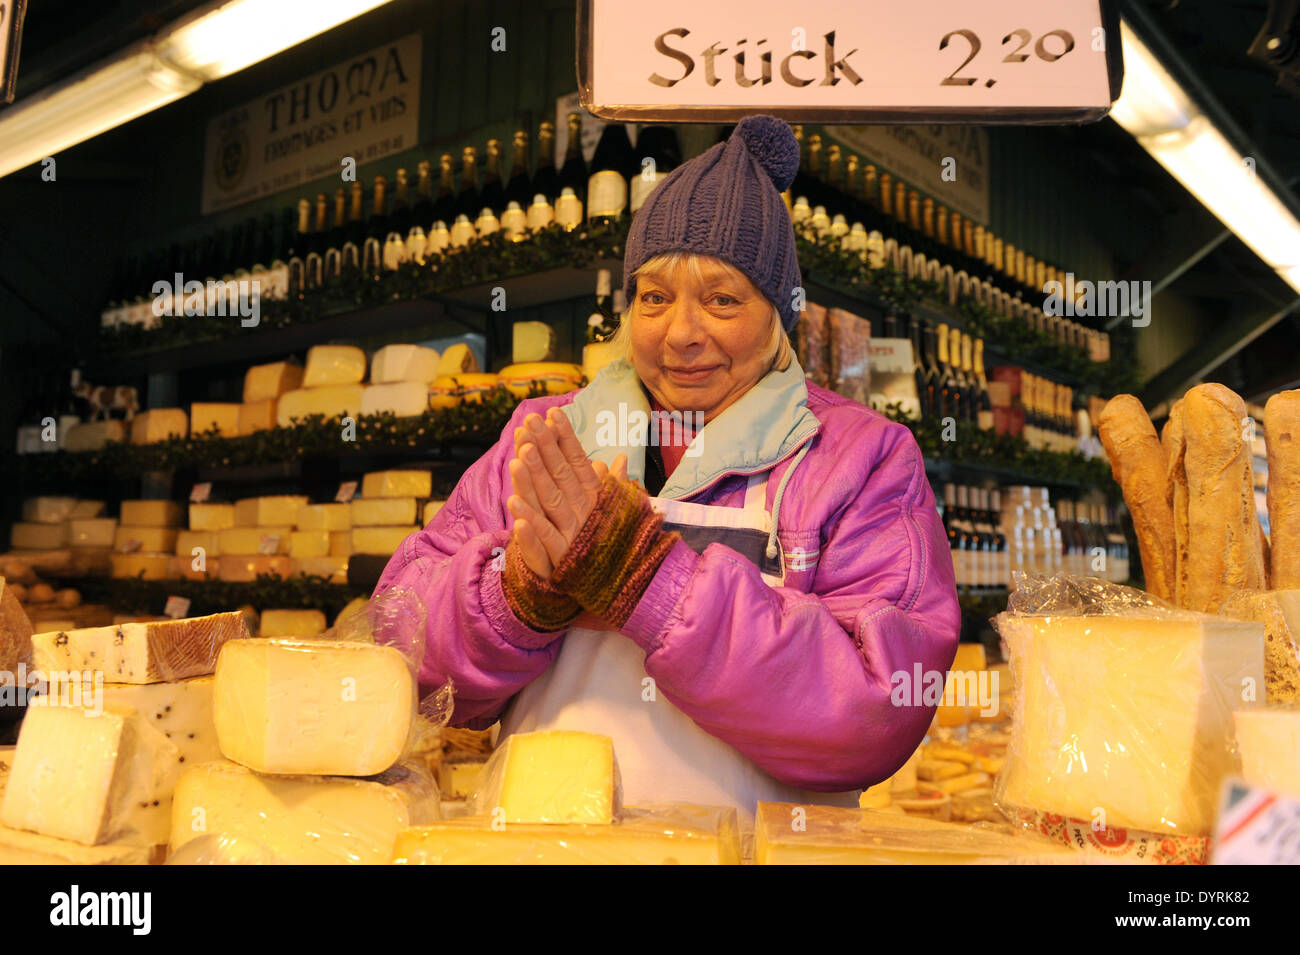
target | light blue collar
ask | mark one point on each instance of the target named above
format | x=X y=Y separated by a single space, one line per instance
x=766 y=424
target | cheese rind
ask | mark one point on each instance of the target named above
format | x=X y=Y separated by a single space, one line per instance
x=92 y=532
x=267 y=382
x=668 y=835
x=27 y=848
x=367 y=512
x=448 y=391
x=152 y=540
x=206 y=415
x=24 y=536
x=151 y=514
x=211 y=517
x=243 y=541
x=336 y=401
x=556 y=776
x=553 y=378
x=291 y=623
x=275 y=511
x=245 y=568
x=15 y=631
x=397 y=484
x=325 y=517
x=255 y=416
x=380 y=540
x=314 y=707
x=82 y=776
x=152 y=652
x=404 y=363
x=404 y=399
x=457 y=359
x=310 y=820
x=140 y=566
x=1132 y=714
x=159 y=424
x=334 y=365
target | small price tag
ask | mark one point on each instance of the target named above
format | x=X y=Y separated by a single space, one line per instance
x=176 y=607
x=129 y=546
x=347 y=491
x=201 y=492
x=269 y=544
x=1256 y=827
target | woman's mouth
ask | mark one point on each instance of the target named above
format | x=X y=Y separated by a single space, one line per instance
x=692 y=374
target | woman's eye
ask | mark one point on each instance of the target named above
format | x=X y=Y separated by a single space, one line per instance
x=653 y=298
x=726 y=301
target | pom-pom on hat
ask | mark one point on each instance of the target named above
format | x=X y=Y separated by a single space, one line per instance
x=727 y=203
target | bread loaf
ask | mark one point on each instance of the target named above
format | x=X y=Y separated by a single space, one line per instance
x=1282 y=435
x=1137 y=460
x=1224 y=553
x=1175 y=445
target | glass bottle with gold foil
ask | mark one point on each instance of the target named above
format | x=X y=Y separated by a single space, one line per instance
x=983 y=401
x=519 y=188
x=545 y=178
x=315 y=261
x=467 y=196
x=301 y=248
x=372 y=253
x=949 y=385
x=399 y=223
x=421 y=214
x=356 y=237
x=337 y=236
x=970 y=387
x=657 y=154
x=493 y=193
x=607 y=183
x=444 y=205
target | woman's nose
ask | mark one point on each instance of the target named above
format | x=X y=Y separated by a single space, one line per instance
x=685 y=328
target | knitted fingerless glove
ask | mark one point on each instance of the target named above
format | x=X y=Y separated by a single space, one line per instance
x=536 y=602
x=616 y=553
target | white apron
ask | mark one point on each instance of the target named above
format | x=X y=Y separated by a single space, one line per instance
x=598 y=684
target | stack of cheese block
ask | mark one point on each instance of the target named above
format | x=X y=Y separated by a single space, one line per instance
x=387 y=512
x=312 y=733
x=99 y=752
x=52 y=523
x=146 y=539
x=972 y=694
x=260 y=536
x=263 y=387
x=322 y=541
x=550 y=798
x=400 y=376
x=159 y=424
x=198 y=550
x=458 y=379
x=331 y=385
x=95 y=435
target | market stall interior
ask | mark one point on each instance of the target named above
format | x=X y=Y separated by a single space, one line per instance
x=339 y=258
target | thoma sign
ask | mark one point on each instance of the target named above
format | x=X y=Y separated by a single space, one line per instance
x=871 y=61
x=365 y=108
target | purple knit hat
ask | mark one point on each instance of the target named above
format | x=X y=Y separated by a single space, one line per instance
x=727 y=203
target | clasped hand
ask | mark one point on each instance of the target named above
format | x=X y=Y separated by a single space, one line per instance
x=555 y=489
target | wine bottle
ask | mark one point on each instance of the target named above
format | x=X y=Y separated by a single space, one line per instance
x=467 y=199
x=462 y=231
x=520 y=187
x=607 y=183
x=573 y=174
x=658 y=154
x=933 y=377
x=540 y=213
x=962 y=411
x=399 y=224
x=493 y=193
x=568 y=209
x=918 y=368
x=815 y=184
x=356 y=231
x=487 y=222
x=545 y=179
x=970 y=394
x=835 y=173
x=983 y=401
x=602 y=322
x=1002 y=562
x=278 y=270
x=956 y=540
x=338 y=234
x=300 y=248
x=315 y=262
x=372 y=252
x=444 y=207
x=422 y=210
x=949 y=386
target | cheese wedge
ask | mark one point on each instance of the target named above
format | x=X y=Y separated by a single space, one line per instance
x=83 y=776
x=255 y=416
x=457 y=778
x=152 y=514
x=380 y=540
x=397 y=484
x=335 y=401
x=532 y=341
x=431 y=508
x=307 y=820
x=404 y=363
x=669 y=835
x=367 y=512
x=211 y=517
x=28 y=848
x=48 y=510
x=291 y=623
x=266 y=382
x=245 y=568
x=275 y=511
x=456 y=360
x=159 y=424
x=325 y=517
x=154 y=540
x=333 y=569
x=152 y=652
x=559 y=776
x=404 y=399
x=140 y=566
x=1132 y=713
x=334 y=365
x=1269 y=741
x=24 y=536
x=94 y=435
x=205 y=416
x=92 y=532
x=315 y=707
x=240 y=541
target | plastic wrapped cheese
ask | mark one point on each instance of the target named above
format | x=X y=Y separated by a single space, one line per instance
x=556 y=776
x=1122 y=705
x=152 y=652
x=1279 y=612
x=646 y=835
x=1268 y=739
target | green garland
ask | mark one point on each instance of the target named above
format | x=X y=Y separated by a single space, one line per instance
x=213 y=596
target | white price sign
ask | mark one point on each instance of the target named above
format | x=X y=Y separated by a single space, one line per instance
x=997 y=61
x=1256 y=827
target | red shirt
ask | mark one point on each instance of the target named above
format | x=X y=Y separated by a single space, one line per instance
x=673 y=438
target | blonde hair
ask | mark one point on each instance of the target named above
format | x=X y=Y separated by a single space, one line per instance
x=782 y=354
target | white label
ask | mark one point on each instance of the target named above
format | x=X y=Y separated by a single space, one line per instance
x=642 y=187
x=269 y=544
x=176 y=607
x=1256 y=827
x=394 y=252
x=606 y=194
x=201 y=492
x=346 y=492
x=944 y=58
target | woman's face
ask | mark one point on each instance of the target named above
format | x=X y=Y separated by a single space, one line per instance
x=700 y=345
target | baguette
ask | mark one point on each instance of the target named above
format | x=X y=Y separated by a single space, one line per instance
x=1282 y=435
x=1175 y=445
x=1137 y=460
x=1224 y=553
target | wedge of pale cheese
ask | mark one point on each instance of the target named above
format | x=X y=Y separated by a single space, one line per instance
x=397 y=484
x=334 y=365
x=28 y=848
x=265 y=382
x=404 y=363
x=367 y=512
x=314 y=707
x=1269 y=742
x=556 y=776
x=291 y=623
x=152 y=652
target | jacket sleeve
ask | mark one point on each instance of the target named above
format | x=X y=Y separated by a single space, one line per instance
x=815 y=688
x=454 y=565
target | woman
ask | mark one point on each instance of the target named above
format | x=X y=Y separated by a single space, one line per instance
x=738 y=634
